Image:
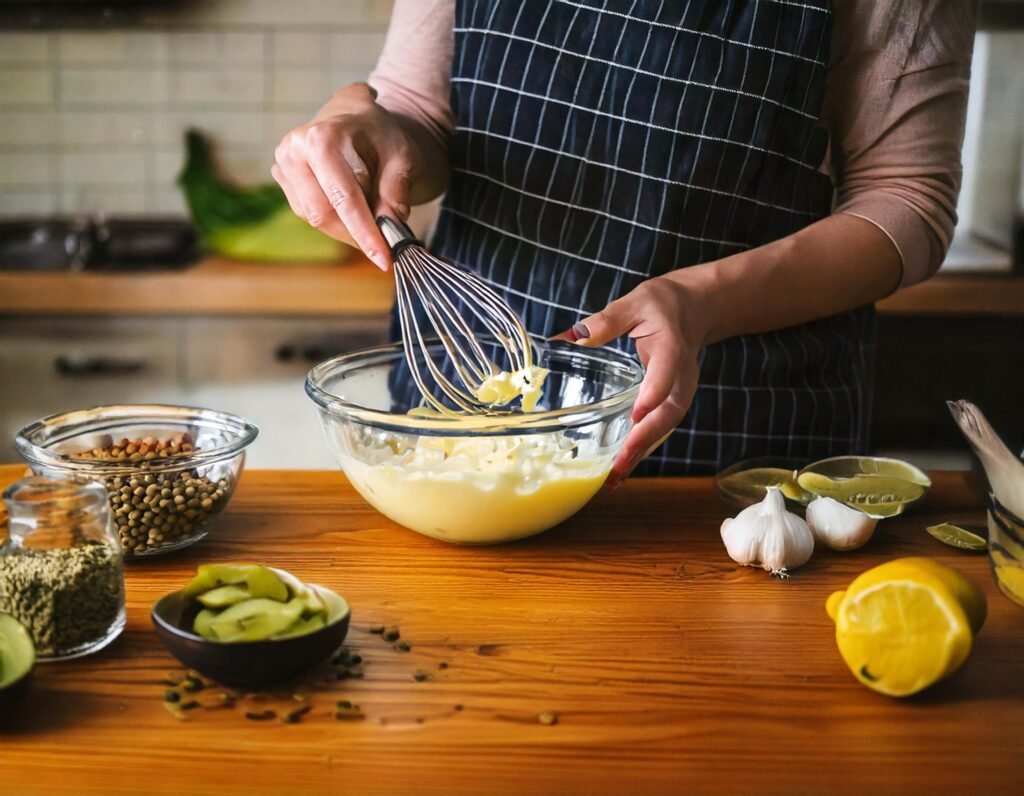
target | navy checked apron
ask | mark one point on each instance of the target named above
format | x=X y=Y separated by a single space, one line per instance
x=599 y=144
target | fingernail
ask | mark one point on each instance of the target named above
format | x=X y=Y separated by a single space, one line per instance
x=403 y=211
x=580 y=331
x=378 y=259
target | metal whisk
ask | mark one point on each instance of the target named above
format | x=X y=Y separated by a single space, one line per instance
x=445 y=296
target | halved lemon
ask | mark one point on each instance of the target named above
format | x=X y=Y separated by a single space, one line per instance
x=906 y=624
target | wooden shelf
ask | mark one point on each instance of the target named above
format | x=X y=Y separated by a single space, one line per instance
x=221 y=287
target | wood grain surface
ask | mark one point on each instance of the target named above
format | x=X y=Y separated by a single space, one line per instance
x=670 y=669
x=216 y=286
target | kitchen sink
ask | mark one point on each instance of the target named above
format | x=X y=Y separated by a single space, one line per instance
x=81 y=243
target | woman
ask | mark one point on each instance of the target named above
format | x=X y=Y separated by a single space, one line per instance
x=729 y=184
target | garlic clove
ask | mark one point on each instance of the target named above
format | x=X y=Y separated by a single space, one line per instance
x=839 y=526
x=767 y=535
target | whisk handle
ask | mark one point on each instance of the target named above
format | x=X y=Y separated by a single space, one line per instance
x=396 y=233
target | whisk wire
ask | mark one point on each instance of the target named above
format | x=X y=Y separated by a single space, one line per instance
x=431 y=291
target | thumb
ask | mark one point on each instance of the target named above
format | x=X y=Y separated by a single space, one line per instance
x=615 y=320
x=393 y=188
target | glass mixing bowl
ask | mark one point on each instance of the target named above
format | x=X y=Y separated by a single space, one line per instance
x=480 y=479
x=160 y=503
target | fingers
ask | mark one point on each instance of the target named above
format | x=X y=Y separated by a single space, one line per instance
x=662 y=370
x=307 y=200
x=345 y=196
x=393 y=188
x=615 y=320
x=648 y=434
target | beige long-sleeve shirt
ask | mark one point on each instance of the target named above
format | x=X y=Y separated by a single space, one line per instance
x=894 y=107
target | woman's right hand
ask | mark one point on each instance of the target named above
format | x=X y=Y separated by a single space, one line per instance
x=350 y=164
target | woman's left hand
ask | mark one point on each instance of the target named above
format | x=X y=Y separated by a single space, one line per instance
x=663 y=317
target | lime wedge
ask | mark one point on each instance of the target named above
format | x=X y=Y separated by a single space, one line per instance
x=746 y=487
x=877 y=495
x=955 y=536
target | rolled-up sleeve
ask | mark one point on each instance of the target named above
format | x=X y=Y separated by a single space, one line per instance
x=895 y=108
x=413 y=73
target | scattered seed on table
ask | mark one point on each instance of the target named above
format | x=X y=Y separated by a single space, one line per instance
x=193 y=685
x=442 y=665
x=458 y=708
x=261 y=716
x=345 y=704
x=392 y=634
x=377 y=630
x=349 y=714
x=295 y=716
x=301 y=695
x=190 y=705
x=547 y=718
x=355 y=671
x=403 y=646
x=171 y=696
x=419 y=676
x=356 y=659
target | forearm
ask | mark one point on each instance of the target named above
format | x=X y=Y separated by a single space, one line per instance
x=836 y=264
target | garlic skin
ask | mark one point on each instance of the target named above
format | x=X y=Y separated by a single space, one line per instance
x=839 y=526
x=768 y=536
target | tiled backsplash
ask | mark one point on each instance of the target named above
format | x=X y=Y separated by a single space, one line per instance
x=93 y=120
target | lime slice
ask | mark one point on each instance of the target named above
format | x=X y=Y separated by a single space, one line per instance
x=955 y=536
x=852 y=466
x=879 y=496
x=746 y=487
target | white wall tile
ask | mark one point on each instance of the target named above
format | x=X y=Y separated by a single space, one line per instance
x=191 y=48
x=87 y=87
x=226 y=127
x=103 y=168
x=104 y=200
x=169 y=202
x=229 y=86
x=25 y=48
x=272 y=13
x=27 y=128
x=301 y=88
x=26 y=86
x=27 y=203
x=26 y=168
x=128 y=128
x=278 y=122
x=355 y=48
x=144 y=48
x=293 y=48
x=164 y=169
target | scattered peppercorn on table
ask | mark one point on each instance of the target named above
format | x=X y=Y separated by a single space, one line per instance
x=623 y=652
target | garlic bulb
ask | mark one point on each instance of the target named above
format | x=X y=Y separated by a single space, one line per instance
x=1004 y=470
x=768 y=536
x=839 y=526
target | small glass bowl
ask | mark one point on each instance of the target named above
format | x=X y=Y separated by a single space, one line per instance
x=1006 y=550
x=737 y=495
x=159 y=503
x=484 y=478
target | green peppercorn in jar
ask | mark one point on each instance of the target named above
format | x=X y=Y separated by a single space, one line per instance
x=61 y=570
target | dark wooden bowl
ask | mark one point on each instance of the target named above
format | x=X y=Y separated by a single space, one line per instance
x=249 y=664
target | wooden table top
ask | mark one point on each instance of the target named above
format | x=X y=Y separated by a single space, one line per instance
x=216 y=286
x=670 y=669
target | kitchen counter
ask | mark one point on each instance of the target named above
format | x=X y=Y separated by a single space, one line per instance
x=670 y=668
x=217 y=286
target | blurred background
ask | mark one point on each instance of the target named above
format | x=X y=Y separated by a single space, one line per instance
x=107 y=296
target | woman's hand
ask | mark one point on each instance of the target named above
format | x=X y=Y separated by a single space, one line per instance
x=351 y=163
x=664 y=318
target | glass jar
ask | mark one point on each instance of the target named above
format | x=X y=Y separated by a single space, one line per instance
x=61 y=568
